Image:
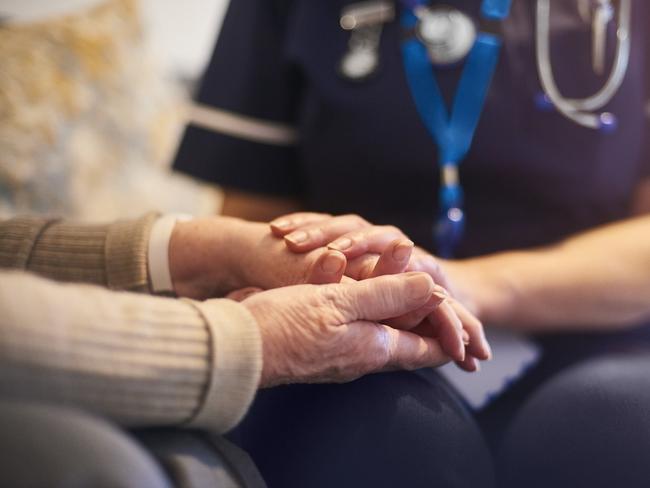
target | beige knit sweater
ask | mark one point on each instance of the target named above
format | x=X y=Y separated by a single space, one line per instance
x=137 y=359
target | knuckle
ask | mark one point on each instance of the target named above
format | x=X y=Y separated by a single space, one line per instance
x=336 y=302
x=391 y=229
x=356 y=236
x=356 y=220
x=380 y=354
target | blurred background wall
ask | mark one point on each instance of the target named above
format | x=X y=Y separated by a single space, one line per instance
x=93 y=95
x=182 y=33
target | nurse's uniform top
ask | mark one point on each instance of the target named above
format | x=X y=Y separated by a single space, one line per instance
x=275 y=116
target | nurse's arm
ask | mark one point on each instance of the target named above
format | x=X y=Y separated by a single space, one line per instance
x=641 y=198
x=259 y=208
x=597 y=280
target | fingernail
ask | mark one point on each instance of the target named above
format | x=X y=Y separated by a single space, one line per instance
x=488 y=349
x=442 y=291
x=461 y=353
x=465 y=337
x=341 y=244
x=440 y=296
x=478 y=365
x=297 y=237
x=419 y=286
x=281 y=224
x=402 y=250
x=332 y=263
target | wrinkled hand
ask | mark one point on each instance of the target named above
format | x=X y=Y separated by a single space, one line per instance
x=373 y=251
x=336 y=333
x=213 y=256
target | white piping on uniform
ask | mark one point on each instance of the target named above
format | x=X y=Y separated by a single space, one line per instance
x=242 y=127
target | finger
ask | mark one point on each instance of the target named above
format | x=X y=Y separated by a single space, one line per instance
x=328 y=268
x=477 y=345
x=413 y=319
x=426 y=263
x=361 y=268
x=448 y=329
x=379 y=298
x=469 y=364
x=410 y=351
x=310 y=237
x=373 y=238
x=243 y=294
x=288 y=223
x=394 y=259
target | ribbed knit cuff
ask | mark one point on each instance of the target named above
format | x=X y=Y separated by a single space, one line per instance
x=127 y=245
x=112 y=255
x=236 y=358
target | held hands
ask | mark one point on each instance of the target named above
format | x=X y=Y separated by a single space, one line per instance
x=377 y=250
x=215 y=256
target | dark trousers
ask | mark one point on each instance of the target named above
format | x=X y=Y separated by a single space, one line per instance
x=581 y=419
x=57 y=447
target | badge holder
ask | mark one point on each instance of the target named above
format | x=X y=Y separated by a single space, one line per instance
x=365 y=21
x=448 y=33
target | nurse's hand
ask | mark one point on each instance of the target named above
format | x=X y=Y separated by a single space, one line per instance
x=364 y=245
x=377 y=250
x=336 y=333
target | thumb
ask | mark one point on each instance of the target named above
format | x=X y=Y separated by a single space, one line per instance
x=381 y=298
x=410 y=351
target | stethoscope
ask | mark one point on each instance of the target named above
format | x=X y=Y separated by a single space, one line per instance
x=583 y=110
x=450 y=34
x=441 y=36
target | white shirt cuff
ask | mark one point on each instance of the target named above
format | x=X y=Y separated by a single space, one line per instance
x=158 y=260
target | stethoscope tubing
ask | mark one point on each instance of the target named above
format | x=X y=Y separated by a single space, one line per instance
x=579 y=109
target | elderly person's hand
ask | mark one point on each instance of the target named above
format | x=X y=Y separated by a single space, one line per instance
x=366 y=247
x=336 y=333
x=210 y=257
x=213 y=256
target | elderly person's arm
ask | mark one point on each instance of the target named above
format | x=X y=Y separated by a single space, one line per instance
x=201 y=258
x=112 y=255
x=143 y=360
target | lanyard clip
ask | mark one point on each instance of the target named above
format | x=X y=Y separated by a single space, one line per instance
x=450 y=226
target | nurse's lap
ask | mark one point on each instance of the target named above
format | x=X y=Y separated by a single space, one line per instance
x=587 y=426
x=587 y=418
x=384 y=430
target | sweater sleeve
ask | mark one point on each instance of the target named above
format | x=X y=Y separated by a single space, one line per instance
x=138 y=360
x=112 y=255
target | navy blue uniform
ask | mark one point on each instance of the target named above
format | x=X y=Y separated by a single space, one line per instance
x=530 y=179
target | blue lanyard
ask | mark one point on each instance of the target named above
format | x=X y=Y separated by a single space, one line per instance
x=453 y=133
